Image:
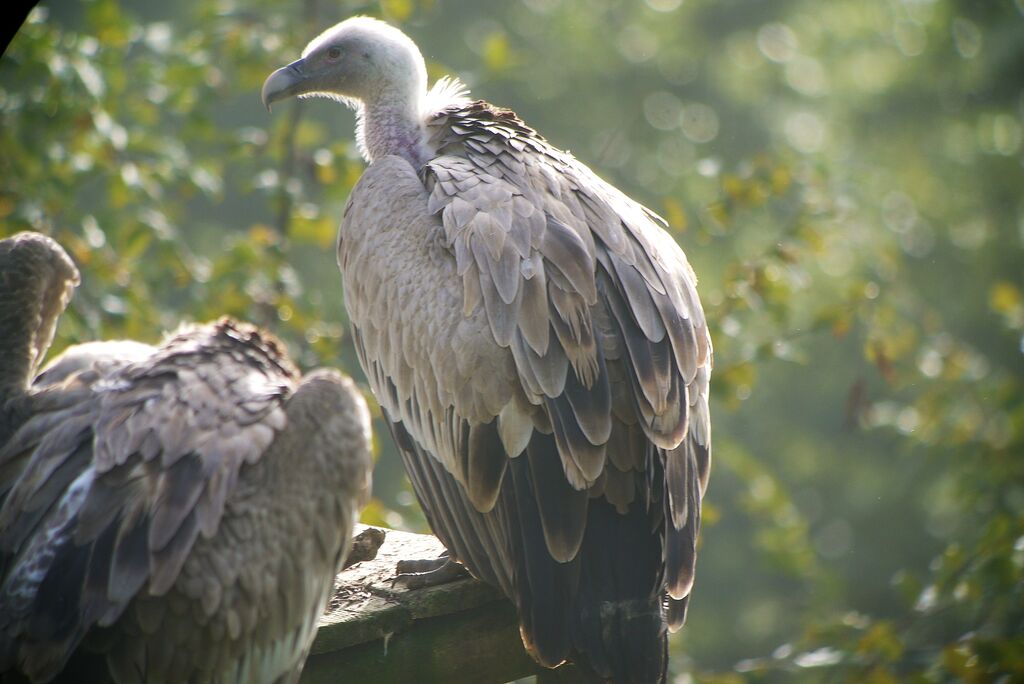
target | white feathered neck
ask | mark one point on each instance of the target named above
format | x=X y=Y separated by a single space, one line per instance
x=393 y=103
x=398 y=126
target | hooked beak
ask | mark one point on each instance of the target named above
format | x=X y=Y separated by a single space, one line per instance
x=285 y=82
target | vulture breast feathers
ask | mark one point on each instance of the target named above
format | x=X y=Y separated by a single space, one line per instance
x=182 y=509
x=537 y=341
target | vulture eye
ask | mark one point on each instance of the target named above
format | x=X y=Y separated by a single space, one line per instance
x=334 y=53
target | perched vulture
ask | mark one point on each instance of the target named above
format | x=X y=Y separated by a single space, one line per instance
x=179 y=509
x=535 y=338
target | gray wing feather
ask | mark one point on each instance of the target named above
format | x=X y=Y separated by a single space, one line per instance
x=619 y=292
x=588 y=226
x=187 y=423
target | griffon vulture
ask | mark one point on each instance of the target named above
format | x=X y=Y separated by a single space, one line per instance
x=536 y=341
x=179 y=509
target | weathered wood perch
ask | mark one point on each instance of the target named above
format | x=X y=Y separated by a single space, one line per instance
x=379 y=630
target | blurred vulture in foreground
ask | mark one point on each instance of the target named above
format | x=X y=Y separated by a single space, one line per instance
x=181 y=509
x=536 y=340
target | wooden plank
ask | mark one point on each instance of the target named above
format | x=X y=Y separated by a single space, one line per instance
x=369 y=604
x=479 y=645
x=377 y=629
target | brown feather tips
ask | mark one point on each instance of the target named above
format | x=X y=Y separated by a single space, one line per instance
x=241 y=341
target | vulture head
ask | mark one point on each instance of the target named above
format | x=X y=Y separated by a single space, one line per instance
x=360 y=59
x=376 y=70
x=37 y=278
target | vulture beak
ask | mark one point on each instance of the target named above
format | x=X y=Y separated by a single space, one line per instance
x=284 y=83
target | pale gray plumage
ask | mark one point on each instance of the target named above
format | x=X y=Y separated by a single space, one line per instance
x=536 y=339
x=181 y=509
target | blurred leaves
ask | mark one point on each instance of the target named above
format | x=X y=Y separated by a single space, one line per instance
x=845 y=178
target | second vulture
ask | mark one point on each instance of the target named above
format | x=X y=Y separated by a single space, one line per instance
x=180 y=510
x=536 y=341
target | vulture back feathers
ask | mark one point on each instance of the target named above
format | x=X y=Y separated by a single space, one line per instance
x=180 y=509
x=536 y=340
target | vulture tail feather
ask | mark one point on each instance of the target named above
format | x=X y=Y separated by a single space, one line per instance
x=546 y=589
x=620 y=626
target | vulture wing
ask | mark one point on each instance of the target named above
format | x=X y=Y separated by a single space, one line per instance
x=537 y=341
x=159 y=500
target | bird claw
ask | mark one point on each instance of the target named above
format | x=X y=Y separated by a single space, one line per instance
x=428 y=572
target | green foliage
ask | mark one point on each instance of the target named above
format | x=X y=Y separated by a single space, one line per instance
x=845 y=177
